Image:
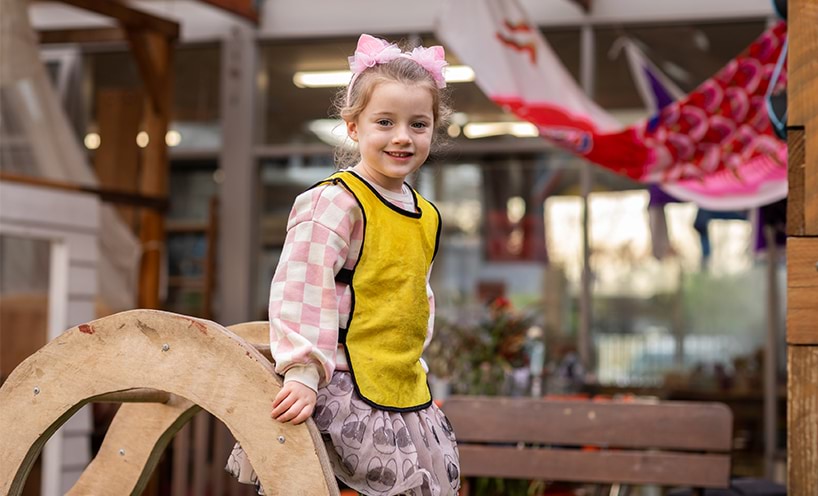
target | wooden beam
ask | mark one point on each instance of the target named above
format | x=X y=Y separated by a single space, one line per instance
x=125 y=461
x=802 y=420
x=154 y=55
x=802 y=108
x=802 y=290
x=802 y=220
x=107 y=195
x=84 y=35
x=795 y=181
x=129 y=17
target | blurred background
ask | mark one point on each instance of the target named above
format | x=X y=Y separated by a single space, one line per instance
x=194 y=124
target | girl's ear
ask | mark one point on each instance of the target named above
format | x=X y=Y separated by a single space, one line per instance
x=352 y=130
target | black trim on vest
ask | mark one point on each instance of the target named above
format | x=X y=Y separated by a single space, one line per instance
x=415 y=215
x=382 y=407
x=344 y=276
x=342 y=336
x=439 y=229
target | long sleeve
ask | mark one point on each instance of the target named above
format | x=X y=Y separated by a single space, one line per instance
x=304 y=297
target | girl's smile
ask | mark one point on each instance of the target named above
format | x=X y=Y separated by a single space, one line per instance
x=394 y=133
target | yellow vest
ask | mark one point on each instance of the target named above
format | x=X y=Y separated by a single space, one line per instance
x=389 y=318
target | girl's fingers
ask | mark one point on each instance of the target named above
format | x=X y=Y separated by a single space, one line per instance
x=291 y=404
x=291 y=413
x=283 y=406
x=281 y=396
x=305 y=413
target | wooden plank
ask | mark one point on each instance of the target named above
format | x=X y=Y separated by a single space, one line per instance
x=802 y=421
x=802 y=372
x=140 y=395
x=672 y=425
x=796 y=163
x=125 y=462
x=129 y=16
x=802 y=65
x=802 y=97
x=595 y=466
x=82 y=35
x=802 y=290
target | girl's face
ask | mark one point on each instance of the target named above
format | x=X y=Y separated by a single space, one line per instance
x=394 y=133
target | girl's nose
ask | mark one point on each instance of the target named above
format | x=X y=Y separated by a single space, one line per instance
x=401 y=136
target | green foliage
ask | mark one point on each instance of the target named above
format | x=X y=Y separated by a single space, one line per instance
x=477 y=358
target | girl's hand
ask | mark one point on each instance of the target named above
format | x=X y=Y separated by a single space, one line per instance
x=294 y=403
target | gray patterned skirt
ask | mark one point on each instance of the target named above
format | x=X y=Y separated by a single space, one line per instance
x=376 y=452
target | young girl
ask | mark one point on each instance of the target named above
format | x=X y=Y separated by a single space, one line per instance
x=351 y=309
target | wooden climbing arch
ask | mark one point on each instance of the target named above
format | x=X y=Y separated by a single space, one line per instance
x=173 y=366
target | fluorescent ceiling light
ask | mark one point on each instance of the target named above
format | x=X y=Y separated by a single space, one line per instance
x=475 y=130
x=321 y=79
x=459 y=74
x=334 y=79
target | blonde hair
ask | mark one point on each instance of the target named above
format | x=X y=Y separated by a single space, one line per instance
x=351 y=101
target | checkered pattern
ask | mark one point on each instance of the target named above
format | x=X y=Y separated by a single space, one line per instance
x=307 y=306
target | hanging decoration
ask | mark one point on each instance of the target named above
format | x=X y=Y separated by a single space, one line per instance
x=715 y=146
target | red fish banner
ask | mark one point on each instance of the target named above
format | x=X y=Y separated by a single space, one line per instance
x=715 y=146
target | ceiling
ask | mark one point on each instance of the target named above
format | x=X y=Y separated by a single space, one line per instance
x=690 y=53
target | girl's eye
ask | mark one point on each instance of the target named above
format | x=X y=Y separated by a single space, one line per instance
x=420 y=125
x=383 y=122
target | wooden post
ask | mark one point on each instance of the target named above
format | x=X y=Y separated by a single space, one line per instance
x=802 y=249
x=153 y=53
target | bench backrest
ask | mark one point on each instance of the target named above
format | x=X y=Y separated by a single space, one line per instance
x=664 y=443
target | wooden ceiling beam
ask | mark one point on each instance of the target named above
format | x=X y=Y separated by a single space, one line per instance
x=129 y=17
x=81 y=35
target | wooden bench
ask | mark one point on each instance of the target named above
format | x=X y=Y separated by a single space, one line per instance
x=661 y=443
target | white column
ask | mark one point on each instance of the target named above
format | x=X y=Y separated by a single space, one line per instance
x=238 y=220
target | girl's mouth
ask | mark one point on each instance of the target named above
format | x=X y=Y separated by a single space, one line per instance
x=399 y=154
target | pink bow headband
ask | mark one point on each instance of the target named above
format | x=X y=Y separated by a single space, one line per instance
x=372 y=51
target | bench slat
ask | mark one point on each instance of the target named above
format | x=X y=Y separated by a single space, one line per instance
x=595 y=466
x=672 y=425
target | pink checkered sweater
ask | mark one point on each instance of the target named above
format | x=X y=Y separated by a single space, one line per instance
x=307 y=306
